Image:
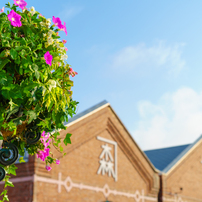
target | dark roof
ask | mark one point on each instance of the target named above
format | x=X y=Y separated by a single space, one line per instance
x=164 y=159
x=77 y=116
x=161 y=158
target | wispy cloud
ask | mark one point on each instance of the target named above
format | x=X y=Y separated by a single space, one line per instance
x=144 y=58
x=69 y=12
x=175 y=119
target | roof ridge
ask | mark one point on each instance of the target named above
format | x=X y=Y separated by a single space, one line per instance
x=85 y=112
x=166 y=147
x=180 y=155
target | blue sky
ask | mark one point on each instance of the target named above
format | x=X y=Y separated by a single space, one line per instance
x=143 y=57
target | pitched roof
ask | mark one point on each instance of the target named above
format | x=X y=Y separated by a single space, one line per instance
x=166 y=158
x=86 y=112
x=161 y=158
x=94 y=109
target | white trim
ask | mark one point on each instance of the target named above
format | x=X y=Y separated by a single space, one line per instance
x=20 y=179
x=86 y=115
x=69 y=184
x=115 y=154
x=81 y=118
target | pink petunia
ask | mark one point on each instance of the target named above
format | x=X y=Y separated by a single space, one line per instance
x=41 y=155
x=57 y=161
x=45 y=137
x=66 y=49
x=43 y=134
x=2 y=10
x=44 y=141
x=21 y=3
x=14 y=18
x=64 y=41
x=48 y=57
x=57 y=22
x=72 y=72
x=64 y=28
x=48 y=168
x=46 y=151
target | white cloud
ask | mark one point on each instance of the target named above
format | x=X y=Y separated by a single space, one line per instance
x=142 y=58
x=69 y=12
x=176 y=119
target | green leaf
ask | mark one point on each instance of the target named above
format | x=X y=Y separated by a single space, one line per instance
x=3 y=62
x=67 y=139
x=21 y=160
x=18 y=48
x=51 y=84
x=37 y=75
x=5 y=198
x=39 y=46
x=61 y=148
x=12 y=169
x=22 y=52
x=13 y=53
x=4 y=192
x=5 y=43
x=32 y=115
x=9 y=183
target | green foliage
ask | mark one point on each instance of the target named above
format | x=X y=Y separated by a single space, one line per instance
x=67 y=139
x=32 y=93
x=9 y=170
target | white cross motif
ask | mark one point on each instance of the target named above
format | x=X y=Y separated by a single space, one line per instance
x=108 y=164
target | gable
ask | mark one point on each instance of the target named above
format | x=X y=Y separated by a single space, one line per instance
x=186 y=177
x=129 y=174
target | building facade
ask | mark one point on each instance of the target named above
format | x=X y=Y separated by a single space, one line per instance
x=180 y=170
x=103 y=163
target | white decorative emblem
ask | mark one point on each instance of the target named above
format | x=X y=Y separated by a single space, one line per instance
x=108 y=164
x=69 y=185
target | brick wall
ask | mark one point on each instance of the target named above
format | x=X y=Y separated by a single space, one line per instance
x=136 y=176
x=23 y=191
x=81 y=164
x=185 y=181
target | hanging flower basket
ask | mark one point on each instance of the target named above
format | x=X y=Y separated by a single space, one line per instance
x=9 y=134
x=35 y=87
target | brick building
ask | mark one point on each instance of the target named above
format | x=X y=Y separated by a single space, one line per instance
x=103 y=163
x=180 y=170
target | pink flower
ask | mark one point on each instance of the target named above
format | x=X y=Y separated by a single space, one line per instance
x=41 y=155
x=72 y=72
x=64 y=28
x=44 y=140
x=48 y=168
x=43 y=134
x=57 y=161
x=57 y=33
x=2 y=10
x=64 y=41
x=20 y=3
x=14 y=18
x=66 y=49
x=57 y=22
x=46 y=152
x=48 y=57
x=45 y=137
